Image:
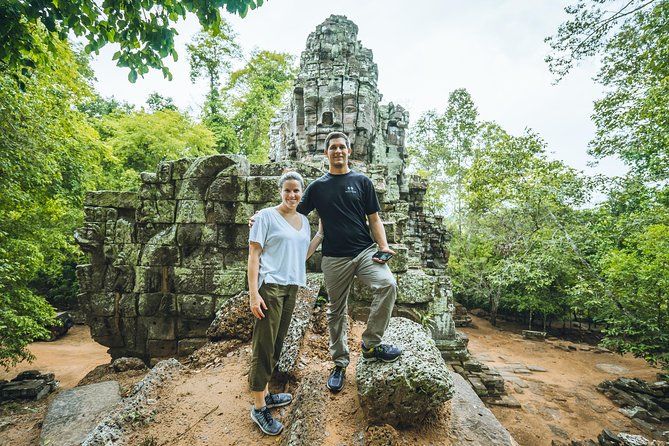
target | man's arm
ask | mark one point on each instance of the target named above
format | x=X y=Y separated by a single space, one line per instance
x=379 y=234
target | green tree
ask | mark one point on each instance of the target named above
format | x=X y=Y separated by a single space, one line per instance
x=49 y=156
x=140 y=140
x=632 y=119
x=143 y=30
x=256 y=92
x=442 y=149
x=157 y=102
x=211 y=57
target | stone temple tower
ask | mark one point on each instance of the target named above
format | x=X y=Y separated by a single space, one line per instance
x=336 y=90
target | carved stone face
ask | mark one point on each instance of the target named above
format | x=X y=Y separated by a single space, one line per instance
x=339 y=105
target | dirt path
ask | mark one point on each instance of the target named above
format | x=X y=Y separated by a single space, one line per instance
x=561 y=402
x=69 y=357
x=209 y=406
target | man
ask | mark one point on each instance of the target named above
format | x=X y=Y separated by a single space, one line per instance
x=346 y=201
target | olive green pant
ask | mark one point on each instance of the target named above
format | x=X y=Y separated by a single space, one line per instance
x=338 y=273
x=270 y=331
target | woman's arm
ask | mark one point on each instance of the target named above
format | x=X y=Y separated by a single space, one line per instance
x=316 y=241
x=256 y=302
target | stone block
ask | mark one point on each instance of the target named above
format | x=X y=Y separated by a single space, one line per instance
x=147 y=230
x=112 y=199
x=156 y=211
x=228 y=212
x=158 y=328
x=276 y=169
x=409 y=390
x=233 y=236
x=189 y=280
x=157 y=191
x=227 y=188
x=210 y=166
x=400 y=262
x=75 y=412
x=189 y=234
x=127 y=305
x=99 y=214
x=119 y=278
x=203 y=256
x=414 y=286
x=161 y=348
x=227 y=282
x=190 y=211
x=236 y=259
x=192 y=328
x=90 y=277
x=156 y=304
x=262 y=189
x=149 y=279
x=186 y=347
x=195 y=306
x=102 y=304
x=105 y=331
x=180 y=167
x=193 y=188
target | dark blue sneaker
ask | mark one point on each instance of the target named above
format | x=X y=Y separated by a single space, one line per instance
x=386 y=353
x=278 y=399
x=264 y=420
x=336 y=379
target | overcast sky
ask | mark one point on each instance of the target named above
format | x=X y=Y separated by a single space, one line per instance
x=424 y=50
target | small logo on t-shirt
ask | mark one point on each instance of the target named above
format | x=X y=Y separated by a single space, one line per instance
x=351 y=190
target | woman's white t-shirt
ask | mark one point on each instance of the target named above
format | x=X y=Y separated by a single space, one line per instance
x=284 y=248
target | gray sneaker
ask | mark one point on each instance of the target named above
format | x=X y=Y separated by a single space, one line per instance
x=278 y=399
x=264 y=420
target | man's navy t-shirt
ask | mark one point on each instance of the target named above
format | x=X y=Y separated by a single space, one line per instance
x=343 y=203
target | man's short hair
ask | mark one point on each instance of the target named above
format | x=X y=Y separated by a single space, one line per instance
x=333 y=135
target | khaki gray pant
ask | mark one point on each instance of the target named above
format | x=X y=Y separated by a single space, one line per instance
x=270 y=331
x=338 y=273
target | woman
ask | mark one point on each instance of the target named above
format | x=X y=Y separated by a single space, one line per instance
x=278 y=248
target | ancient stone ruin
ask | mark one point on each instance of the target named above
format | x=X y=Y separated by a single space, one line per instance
x=164 y=259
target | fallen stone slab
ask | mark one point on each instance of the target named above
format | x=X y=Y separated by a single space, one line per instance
x=534 y=335
x=75 y=412
x=110 y=430
x=304 y=306
x=471 y=422
x=409 y=390
x=305 y=427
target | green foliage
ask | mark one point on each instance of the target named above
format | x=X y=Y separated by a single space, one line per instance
x=256 y=92
x=441 y=150
x=140 y=140
x=157 y=102
x=48 y=157
x=142 y=29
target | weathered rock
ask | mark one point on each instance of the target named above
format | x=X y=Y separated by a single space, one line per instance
x=471 y=422
x=234 y=320
x=305 y=422
x=75 y=412
x=304 y=305
x=125 y=364
x=409 y=390
x=110 y=430
x=28 y=385
x=385 y=435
